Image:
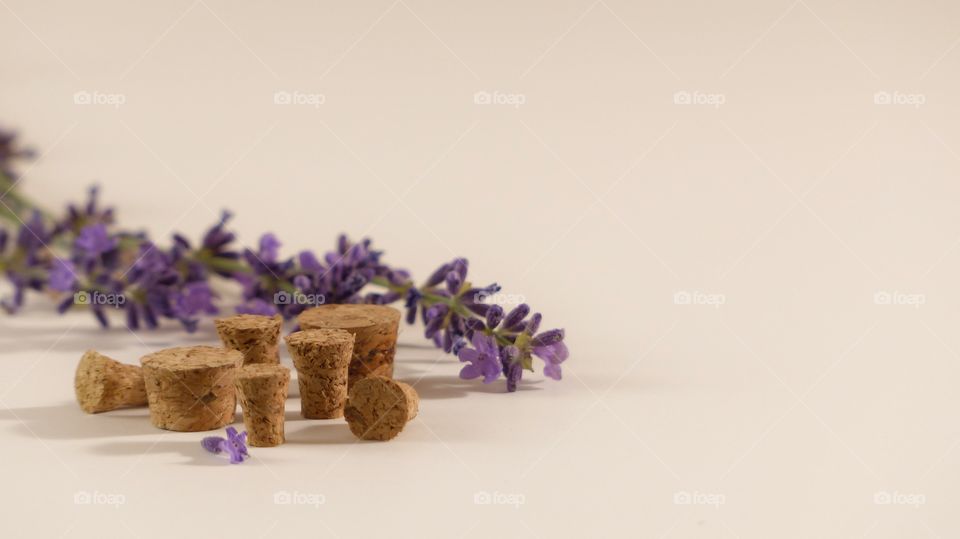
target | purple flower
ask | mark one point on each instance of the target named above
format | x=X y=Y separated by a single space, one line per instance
x=512 y=366
x=62 y=275
x=552 y=355
x=193 y=299
x=269 y=247
x=234 y=444
x=483 y=359
x=10 y=151
x=24 y=266
x=86 y=214
x=94 y=240
x=549 y=347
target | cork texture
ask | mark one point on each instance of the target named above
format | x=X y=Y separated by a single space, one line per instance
x=322 y=359
x=262 y=393
x=103 y=384
x=256 y=337
x=191 y=388
x=374 y=328
x=380 y=407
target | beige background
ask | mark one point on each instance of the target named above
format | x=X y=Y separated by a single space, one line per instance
x=811 y=222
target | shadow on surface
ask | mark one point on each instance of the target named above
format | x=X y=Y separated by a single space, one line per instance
x=192 y=450
x=114 y=342
x=67 y=421
x=323 y=432
x=453 y=387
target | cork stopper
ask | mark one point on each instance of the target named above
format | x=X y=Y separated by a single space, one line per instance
x=380 y=407
x=262 y=393
x=103 y=384
x=191 y=388
x=321 y=357
x=374 y=328
x=256 y=336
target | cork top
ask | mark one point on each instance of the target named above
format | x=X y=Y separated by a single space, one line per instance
x=88 y=380
x=187 y=358
x=347 y=316
x=249 y=321
x=262 y=370
x=322 y=336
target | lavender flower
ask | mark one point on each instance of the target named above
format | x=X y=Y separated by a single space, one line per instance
x=483 y=359
x=456 y=317
x=80 y=216
x=11 y=151
x=234 y=444
x=26 y=263
x=82 y=252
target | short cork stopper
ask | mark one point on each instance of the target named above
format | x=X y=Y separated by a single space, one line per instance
x=380 y=407
x=262 y=392
x=375 y=334
x=191 y=388
x=103 y=384
x=322 y=357
x=256 y=336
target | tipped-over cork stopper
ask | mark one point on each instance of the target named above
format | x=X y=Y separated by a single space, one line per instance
x=256 y=336
x=375 y=334
x=262 y=393
x=191 y=388
x=103 y=384
x=322 y=357
x=379 y=408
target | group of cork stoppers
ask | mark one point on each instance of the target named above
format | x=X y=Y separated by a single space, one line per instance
x=343 y=355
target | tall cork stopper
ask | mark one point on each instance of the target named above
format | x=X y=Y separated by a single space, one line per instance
x=256 y=336
x=262 y=393
x=380 y=407
x=103 y=384
x=191 y=388
x=375 y=334
x=322 y=357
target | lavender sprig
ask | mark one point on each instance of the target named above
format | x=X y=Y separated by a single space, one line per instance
x=85 y=262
